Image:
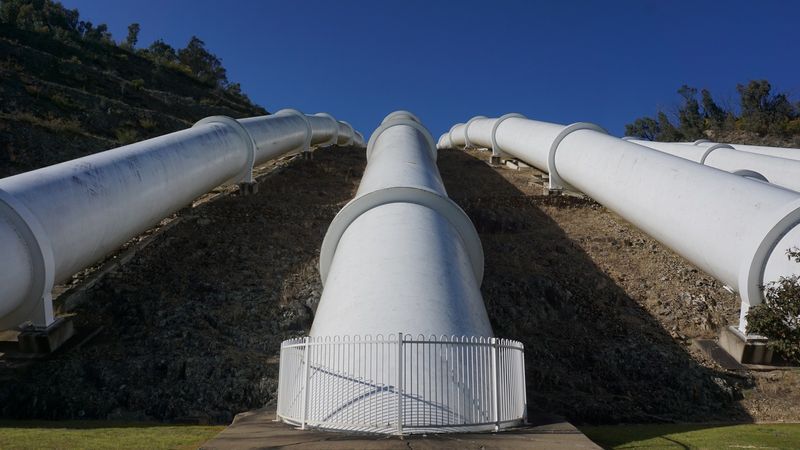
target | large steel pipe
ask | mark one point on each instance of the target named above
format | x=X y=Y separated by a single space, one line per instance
x=735 y=228
x=780 y=152
x=401 y=256
x=59 y=219
x=772 y=169
x=401 y=342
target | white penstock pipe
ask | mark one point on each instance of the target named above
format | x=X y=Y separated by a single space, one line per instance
x=60 y=219
x=401 y=256
x=734 y=228
x=780 y=152
x=772 y=169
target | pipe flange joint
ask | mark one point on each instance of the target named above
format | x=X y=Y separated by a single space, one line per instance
x=711 y=149
x=360 y=139
x=701 y=141
x=402 y=194
x=246 y=176
x=335 y=136
x=404 y=122
x=450 y=134
x=496 y=150
x=40 y=250
x=309 y=131
x=752 y=174
x=400 y=114
x=751 y=272
x=556 y=182
x=628 y=138
x=467 y=142
x=351 y=135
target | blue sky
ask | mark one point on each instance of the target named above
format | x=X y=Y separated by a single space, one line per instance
x=599 y=61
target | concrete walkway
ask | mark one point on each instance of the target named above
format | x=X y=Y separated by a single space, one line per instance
x=257 y=430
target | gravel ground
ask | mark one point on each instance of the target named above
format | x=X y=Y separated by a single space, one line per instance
x=191 y=326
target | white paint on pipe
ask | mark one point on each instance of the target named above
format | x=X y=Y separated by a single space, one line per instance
x=780 y=171
x=735 y=228
x=401 y=255
x=86 y=208
x=779 y=152
x=401 y=259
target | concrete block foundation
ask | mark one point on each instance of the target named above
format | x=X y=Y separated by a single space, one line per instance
x=746 y=349
x=45 y=340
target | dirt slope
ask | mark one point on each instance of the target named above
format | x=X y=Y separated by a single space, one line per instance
x=192 y=325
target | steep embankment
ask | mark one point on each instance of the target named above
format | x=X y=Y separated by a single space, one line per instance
x=191 y=326
x=66 y=99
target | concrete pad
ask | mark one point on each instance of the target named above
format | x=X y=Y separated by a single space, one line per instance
x=258 y=430
x=718 y=354
x=46 y=340
x=746 y=349
x=517 y=165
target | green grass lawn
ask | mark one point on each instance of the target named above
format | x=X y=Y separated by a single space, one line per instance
x=755 y=436
x=92 y=434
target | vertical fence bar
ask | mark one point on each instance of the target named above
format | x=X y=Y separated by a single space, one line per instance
x=452 y=381
x=400 y=383
x=304 y=413
x=495 y=385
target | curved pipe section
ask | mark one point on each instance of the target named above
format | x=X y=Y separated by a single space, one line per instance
x=735 y=228
x=780 y=171
x=79 y=211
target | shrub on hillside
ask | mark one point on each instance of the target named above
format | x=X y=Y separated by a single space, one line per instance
x=778 y=318
x=761 y=112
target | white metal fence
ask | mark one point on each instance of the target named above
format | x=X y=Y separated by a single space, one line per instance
x=402 y=385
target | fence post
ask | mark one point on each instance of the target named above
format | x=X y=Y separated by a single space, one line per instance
x=524 y=387
x=281 y=384
x=400 y=383
x=306 y=385
x=495 y=384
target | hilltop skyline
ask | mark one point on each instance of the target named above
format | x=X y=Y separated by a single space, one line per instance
x=583 y=61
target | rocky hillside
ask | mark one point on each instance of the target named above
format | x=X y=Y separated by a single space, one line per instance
x=62 y=99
